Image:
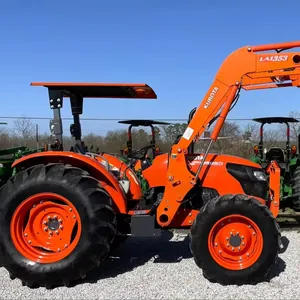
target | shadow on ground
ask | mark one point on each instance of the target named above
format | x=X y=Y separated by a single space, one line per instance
x=280 y=264
x=138 y=251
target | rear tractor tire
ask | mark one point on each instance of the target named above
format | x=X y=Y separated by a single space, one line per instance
x=57 y=224
x=235 y=240
x=296 y=189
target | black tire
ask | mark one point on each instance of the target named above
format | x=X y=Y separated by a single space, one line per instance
x=214 y=211
x=98 y=222
x=296 y=189
x=123 y=228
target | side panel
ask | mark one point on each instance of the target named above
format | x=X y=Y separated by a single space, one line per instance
x=229 y=174
x=213 y=174
x=97 y=170
x=157 y=172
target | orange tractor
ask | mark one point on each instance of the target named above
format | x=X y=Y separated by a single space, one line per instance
x=63 y=211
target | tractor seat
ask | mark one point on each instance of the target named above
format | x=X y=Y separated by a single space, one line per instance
x=275 y=153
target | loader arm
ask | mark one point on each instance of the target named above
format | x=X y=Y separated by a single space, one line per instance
x=250 y=68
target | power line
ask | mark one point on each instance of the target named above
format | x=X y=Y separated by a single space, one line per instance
x=110 y=119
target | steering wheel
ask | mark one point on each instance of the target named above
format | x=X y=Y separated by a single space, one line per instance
x=140 y=153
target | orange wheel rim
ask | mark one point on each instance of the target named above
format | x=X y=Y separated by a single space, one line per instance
x=45 y=228
x=235 y=242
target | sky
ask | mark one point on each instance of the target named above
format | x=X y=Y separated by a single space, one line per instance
x=174 y=46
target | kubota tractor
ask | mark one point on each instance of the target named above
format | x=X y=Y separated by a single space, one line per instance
x=287 y=160
x=62 y=211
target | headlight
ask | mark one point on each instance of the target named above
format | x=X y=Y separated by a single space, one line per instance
x=260 y=175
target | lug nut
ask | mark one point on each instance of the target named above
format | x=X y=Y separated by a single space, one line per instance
x=242 y=237
x=70 y=209
x=74 y=217
x=61 y=227
x=66 y=245
x=253 y=233
x=60 y=221
x=25 y=234
x=248 y=254
x=45 y=222
x=227 y=245
x=55 y=217
x=216 y=244
x=51 y=232
x=232 y=248
x=220 y=251
x=29 y=242
x=46 y=229
x=231 y=233
x=48 y=217
x=56 y=232
x=58 y=249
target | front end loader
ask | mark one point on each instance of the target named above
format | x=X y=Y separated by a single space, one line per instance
x=62 y=212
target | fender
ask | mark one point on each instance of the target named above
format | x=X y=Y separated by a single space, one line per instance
x=94 y=168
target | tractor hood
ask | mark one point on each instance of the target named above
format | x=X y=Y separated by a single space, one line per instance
x=220 y=160
x=157 y=172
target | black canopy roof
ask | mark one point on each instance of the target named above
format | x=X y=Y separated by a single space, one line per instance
x=141 y=122
x=270 y=120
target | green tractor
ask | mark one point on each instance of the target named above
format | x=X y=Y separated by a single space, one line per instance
x=287 y=159
x=8 y=156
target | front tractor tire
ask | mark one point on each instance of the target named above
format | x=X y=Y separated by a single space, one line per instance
x=57 y=224
x=235 y=240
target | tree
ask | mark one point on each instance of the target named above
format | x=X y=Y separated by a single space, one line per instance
x=171 y=132
x=295 y=127
x=231 y=131
x=94 y=141
x=24 y=130
x=115 y=141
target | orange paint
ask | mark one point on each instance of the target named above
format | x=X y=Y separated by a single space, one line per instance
x=46 y=237
x=243 y=68
x=242 y=254
x=156 y=174
x=95 y=169
x=104 y=90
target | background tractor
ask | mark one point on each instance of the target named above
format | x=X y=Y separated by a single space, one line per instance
x=8 y=156
x=287 y=160
x=128 y=151
x=63 y=211
x=139 y=159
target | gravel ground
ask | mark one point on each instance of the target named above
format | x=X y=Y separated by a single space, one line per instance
x=135 y=272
